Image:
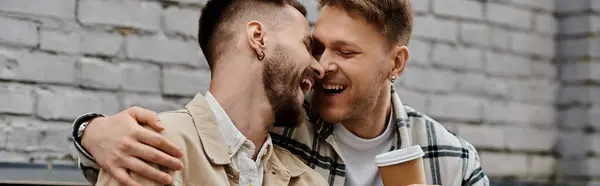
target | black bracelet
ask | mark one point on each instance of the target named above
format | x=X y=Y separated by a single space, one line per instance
x=80 y=120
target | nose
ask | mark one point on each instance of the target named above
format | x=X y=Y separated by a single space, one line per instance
x=318 y=70
x=327 y=63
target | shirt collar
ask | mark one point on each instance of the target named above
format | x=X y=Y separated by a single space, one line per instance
x=233 y=137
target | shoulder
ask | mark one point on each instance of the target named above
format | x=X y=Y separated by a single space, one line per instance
x=302 y=173
x=178 y=125
x=432 y=135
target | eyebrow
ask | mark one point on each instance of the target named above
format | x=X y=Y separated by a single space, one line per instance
x=342 y=43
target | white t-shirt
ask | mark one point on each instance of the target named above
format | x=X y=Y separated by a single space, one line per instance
x=359 y=154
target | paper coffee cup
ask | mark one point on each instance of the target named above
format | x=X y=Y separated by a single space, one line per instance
x=401 y=167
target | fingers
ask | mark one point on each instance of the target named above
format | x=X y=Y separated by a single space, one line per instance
x=123 y=178
x=160 y=142
x=147 y=117
x=154 y=155
x=144 y=169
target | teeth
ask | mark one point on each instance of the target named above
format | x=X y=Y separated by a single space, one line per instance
x=333 y=87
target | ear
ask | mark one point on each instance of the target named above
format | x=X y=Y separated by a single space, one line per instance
x=400 y=58
x=255 y=32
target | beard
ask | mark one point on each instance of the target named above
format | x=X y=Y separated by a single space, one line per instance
x=281 y=87
x=359 y=104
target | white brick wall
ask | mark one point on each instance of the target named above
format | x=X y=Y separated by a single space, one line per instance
x=492 y=70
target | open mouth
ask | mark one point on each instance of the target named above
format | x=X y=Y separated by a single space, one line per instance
x=333 y=89
x=306 y=84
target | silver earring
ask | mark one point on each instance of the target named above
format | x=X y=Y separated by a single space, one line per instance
x=393 y=79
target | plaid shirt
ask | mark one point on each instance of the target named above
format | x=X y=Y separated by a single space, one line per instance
x=448 y=160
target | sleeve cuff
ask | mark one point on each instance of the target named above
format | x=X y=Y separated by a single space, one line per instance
x=84 y=156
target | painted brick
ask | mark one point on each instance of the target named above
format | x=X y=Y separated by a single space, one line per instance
x=503 y=64
x=578 y=24
x=499 y=38
x=62 y=41
x=595 y=143
x=442 y=80
x=471 y=82
x=494 y=136
x=572 y=6
x=572 y=145
x=579 y=72
x=519 y=90
x=164 y=50
x=63 y=9
x=95 y=73
x=414 y=99
x=544 y=69
x=509 y=15
x=432 y=28
x=455 y=106
x=185 y=82
x=458 y=58
x=137 y=77
x=502 y=164
x=179 y=21
x=527 y=43
x=419 y=52
x=27 y=66
x=461 y=9
x=16 y=99
x=595 y=117
x=546 y=23
x=495 y=111
x=574 y=118
x=17 y=32
x=529 y=139
x=54 y=138
x=543 y=90
x=68 y=104
x=100 y=43
x=415 y=78
x=152 y=102
x=496 y=87
x=542 y=5
x=135 y=14
x=579 y=94
x=541 y=166
x=474 y=33
x=421 y=6
x=579 y=47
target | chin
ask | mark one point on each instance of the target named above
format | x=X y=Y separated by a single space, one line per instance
x=331 y=115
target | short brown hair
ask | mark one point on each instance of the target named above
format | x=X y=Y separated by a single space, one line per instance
x=394 y=18
x=217 y=15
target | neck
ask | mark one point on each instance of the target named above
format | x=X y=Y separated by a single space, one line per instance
x=374 y=121
x=240 y=92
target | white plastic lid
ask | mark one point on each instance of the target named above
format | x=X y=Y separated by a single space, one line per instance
x=399 y=156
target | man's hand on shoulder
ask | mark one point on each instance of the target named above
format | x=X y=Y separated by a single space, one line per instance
x=120 y=143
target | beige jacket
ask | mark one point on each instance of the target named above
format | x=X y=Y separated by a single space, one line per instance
x=206 y=157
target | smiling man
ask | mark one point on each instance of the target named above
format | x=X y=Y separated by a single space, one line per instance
x=224 y=133
x=354 y=112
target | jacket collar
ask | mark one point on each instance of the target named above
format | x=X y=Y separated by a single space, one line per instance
x=285 y=161
x=206 y=126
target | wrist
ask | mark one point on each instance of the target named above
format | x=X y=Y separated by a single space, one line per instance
x=80 y=124
x=77 y=132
